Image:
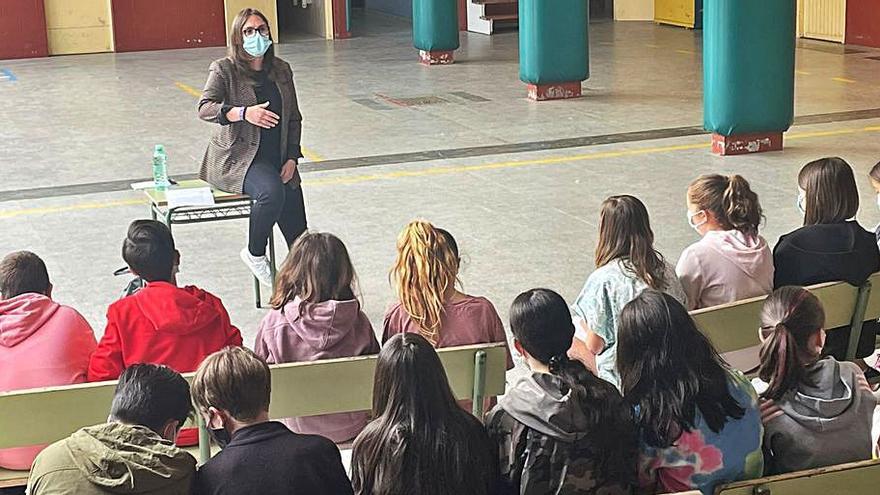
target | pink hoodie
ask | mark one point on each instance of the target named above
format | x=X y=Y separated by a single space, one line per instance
x=723 y=267
x=327 y=330
x=42 y=344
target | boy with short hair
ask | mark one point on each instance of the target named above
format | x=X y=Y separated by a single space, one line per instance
x=134 y=452
x=231 y=391
x=42 y=343
x=161 y=323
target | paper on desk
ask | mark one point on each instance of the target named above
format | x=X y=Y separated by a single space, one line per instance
x=195 y=196
x=143 y=185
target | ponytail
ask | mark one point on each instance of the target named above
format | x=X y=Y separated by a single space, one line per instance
x=730 y=199
x=790 y=316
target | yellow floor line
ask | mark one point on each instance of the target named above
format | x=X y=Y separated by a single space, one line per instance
x=686 y=52
x=802 y=73
x=309 y=154
x=346 y=180
x=843 y=80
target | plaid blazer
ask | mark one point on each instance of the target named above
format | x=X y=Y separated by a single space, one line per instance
x=234 y=145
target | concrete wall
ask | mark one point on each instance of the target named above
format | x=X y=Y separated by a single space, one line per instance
x=634 y=10
x=83 y=26
x=402 y=8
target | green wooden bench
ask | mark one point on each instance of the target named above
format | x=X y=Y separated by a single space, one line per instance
x=857 y=478
x=733 y=328
x=38 y=416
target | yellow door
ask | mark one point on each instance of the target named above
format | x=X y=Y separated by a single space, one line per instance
x=675 y=12
x=81 y=26
x=823 y=19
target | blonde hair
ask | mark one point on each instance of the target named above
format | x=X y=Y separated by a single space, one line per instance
x=426 y=268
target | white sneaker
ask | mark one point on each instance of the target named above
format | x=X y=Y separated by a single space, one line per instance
x=259 y=266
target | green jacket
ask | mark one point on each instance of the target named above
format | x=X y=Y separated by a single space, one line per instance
x=112 y=458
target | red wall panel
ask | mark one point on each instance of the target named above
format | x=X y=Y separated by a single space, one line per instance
x=863 y=22
x=23 y=29
x=162 y=24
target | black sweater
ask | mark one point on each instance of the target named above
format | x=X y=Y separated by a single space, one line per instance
x=815 y=254
x=269 y=459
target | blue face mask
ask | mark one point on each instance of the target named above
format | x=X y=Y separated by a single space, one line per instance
x=257 y=45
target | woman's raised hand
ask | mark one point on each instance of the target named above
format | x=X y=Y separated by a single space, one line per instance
x=260 y=117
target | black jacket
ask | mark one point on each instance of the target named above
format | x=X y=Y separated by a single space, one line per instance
x=269 y=459
x=815 y=254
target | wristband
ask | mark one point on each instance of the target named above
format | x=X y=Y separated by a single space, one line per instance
x=241 y=113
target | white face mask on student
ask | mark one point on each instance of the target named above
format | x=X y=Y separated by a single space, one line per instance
x=690 y=219
x=878 y=200
x=802 y=201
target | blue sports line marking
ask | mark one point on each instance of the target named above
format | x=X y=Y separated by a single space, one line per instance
x=7 y=75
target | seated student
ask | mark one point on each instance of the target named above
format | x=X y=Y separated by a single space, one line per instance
x=831 y=246
x=560 y=429
x=424 y=276
x=819 y=410
x=874 y=175
x=626 y=264
x=162 y=323
x=421 y=440
x=731 y=261
x=315 y=315
x=134 y=452
x=231 y=391
x=699 y=421
x=42 y=343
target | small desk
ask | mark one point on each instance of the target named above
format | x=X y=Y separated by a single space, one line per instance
x=227 y=206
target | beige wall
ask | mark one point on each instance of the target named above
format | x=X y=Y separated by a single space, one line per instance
x=78 y=26
x=634 y=10
x=267 y=7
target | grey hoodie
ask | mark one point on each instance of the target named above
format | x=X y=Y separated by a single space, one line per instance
x=541 y=429
x=826 y=420
x=112 y=458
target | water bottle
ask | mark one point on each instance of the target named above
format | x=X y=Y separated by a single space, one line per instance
x=160 y=168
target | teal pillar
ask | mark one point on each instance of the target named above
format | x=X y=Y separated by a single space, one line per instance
x=748 y=73
x=435 y=30
x=553 y=47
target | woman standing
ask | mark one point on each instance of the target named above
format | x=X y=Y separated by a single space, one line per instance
x=256 y=148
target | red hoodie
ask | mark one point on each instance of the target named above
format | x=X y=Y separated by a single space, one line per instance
x=162 y=324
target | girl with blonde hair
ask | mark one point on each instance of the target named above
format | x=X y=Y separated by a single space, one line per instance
x=425 y=276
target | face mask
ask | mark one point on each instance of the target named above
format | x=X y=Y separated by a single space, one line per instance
x=257 y=45
x=801 y=201
x=220 y=435
x=690 y=218
x=878 y=200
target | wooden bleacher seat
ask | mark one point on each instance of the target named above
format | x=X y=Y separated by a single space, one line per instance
x=38 y=416
x=857 y=478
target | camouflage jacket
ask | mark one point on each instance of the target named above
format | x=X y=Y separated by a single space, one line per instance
x=533 y=463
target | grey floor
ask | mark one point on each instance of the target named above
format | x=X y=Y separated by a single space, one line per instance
x=522 y=219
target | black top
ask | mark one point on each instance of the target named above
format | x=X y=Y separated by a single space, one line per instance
x=269 y=151
x=269 y=459
x=815 y=254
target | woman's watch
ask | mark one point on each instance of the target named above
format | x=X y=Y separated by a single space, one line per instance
x=241 y=113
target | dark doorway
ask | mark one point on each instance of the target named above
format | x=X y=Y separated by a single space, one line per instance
x=601 y=9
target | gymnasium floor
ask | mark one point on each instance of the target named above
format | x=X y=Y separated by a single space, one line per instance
x=517 y=182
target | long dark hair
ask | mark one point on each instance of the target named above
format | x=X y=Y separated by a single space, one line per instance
x=790 y=316
x=670 y=371
x=421 y=440
x=832 y=195
x=730 y=199
x=541 y=322
x=236 y=44
x=625 y=233
x=317 y=269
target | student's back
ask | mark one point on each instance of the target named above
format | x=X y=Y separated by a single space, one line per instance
x=269 y=459
x=831 y=246
x=42 y=343
x=820 y=409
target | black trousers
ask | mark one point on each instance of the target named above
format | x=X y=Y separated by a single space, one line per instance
x=274 y=202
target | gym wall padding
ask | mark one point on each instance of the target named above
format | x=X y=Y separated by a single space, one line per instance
x=863 y=22
x=435 y=25
x=553 y=41
x=22 y=29
x=83 y=26
x=748 y=66
x=165 y=24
